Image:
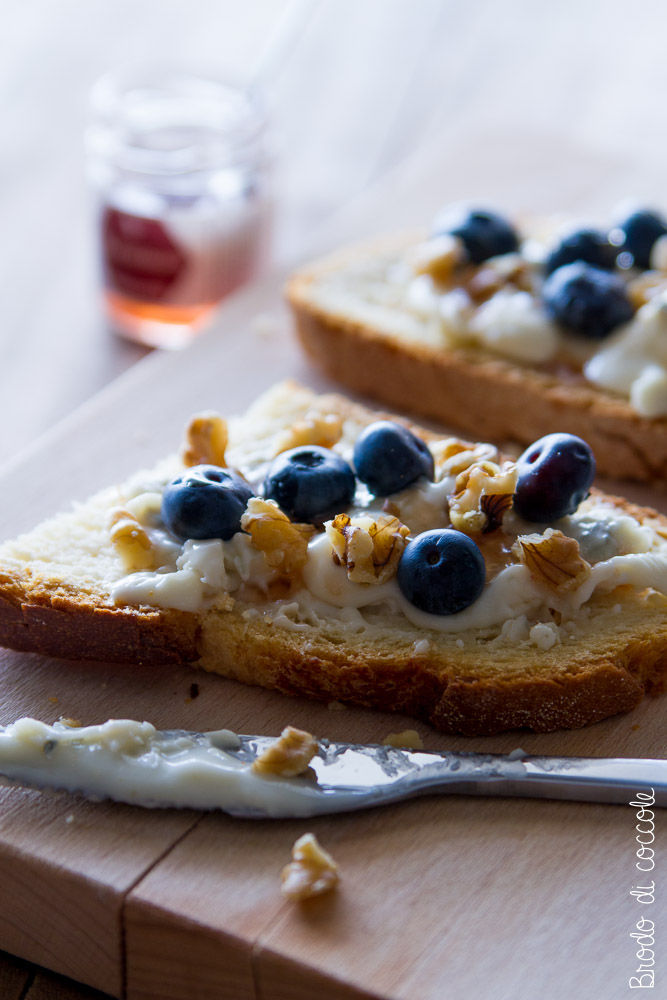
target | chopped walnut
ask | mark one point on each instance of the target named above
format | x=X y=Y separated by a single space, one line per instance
x=645 y=286
x=323 y=429
x=439 y=257
x=369 y=550
x=408 y=739
x=487 y=279
x=144 y=506
x=290 y=755
x=311 y=872
x=482 y=494
x=205 y=440
x=453 y=456
x=554 y=560
x=283 y=542
x=131 y=541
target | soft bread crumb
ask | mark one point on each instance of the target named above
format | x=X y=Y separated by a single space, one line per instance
x=290 y=755
x=311 y=872
x=409 y=739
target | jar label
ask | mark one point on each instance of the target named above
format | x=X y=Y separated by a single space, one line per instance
x=139 y=257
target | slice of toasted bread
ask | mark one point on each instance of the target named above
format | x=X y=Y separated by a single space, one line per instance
x=542 y=660
x=354 y=320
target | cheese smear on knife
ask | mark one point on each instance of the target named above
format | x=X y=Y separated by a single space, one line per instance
x=133 y=762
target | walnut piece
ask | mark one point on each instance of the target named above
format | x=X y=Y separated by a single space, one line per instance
x=439 y=257
x=289 y=755
x=482 y=494
x=453 y=456
x=205 y=440
x=322 y=429
x=369 y=549
x=283 y=542
x=408 y=739
x=645 y=286
x=553 y=559
x=131 y=541
x=490 y=277
x=311 y=872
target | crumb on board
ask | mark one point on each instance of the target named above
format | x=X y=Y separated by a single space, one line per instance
x=311 y=872
x=408 y=739
x=336 y=706
x=287 y=756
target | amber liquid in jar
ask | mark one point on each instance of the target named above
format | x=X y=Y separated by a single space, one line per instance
x=183 y=206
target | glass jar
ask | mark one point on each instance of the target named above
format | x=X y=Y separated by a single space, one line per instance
x=181 y=171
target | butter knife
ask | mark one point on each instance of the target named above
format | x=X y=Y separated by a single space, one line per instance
x=133 y=762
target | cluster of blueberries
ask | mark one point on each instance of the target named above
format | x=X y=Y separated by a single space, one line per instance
x=441 y=571
x=583 y=290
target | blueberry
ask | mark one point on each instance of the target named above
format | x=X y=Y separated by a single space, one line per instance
x=205 y=502
x=586 y=300
x=310 y=483
x=555 y=475
x=637 y=233
x=441 y=572
x=388 y=457
x=483 y=234
x=584 y=244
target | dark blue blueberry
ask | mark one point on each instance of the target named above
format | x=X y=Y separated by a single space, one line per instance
x=555 y=475
x=587 y=300
x=483 y=234
x=205 y=502
x=310 y=483
x=584 y=244
x=441 y=572
x=388 y=457
x=637 y=233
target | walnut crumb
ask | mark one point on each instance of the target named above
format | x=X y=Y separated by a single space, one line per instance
x=482 y=495
x=131 y=541
x=553 y=559
x=205 y=440
x=370 y=550
x=408 y=739
x=439 y=257
x=453 y=456
x=322 y=429
x=283 y=542
x=311 y=872
x=289 y=755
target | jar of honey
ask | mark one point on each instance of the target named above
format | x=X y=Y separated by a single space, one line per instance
x=180 y=167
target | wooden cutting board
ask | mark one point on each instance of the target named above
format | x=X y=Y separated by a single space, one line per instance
x=448 y=897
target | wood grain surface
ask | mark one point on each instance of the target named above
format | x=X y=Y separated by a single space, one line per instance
x=383 y=111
